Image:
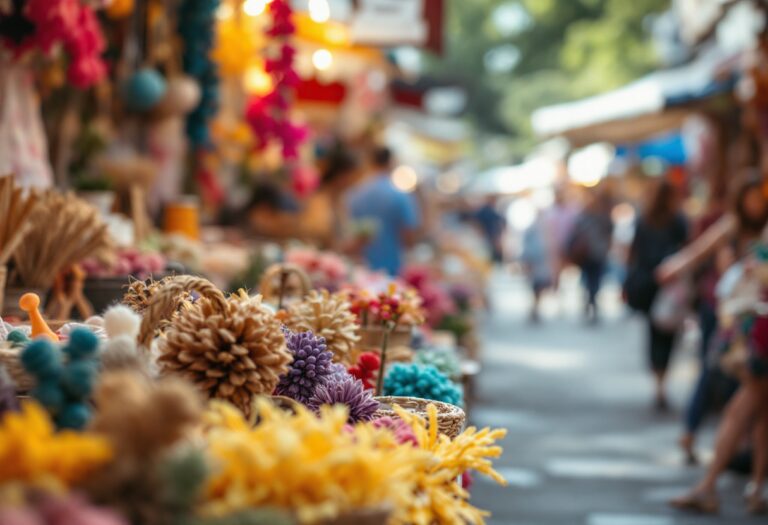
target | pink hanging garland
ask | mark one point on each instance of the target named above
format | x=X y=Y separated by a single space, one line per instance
x=75 y=26
x=268 y=116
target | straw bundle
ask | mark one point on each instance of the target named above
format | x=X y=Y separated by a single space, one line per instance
x=15 y=209
x=63 y=231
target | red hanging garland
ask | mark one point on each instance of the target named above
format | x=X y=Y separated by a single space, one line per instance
x=268 y=116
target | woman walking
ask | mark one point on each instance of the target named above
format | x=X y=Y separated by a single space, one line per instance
x=748 y=409
x=661 y=231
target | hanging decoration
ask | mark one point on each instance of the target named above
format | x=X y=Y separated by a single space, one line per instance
x=43 y=25
x=268 y=116
x=196 y=27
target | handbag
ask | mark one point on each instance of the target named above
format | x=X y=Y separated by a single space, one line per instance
x=672 y=305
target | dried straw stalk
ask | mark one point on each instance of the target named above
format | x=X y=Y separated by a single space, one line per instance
x=15 y=210
x=63 y=231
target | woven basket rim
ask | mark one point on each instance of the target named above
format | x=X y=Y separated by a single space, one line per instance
x=443 y=408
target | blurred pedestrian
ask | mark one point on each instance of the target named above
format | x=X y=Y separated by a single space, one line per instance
x=559 y=220
x=492 y=225
x=395 y=215
x=661 y=230
x=537 y=261
x=588 y=245
x=748 y=409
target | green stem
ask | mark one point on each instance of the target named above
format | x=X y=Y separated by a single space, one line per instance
x=382 y=367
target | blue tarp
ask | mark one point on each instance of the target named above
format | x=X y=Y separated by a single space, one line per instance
x=669 y=147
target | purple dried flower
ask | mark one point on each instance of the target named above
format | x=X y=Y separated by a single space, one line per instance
x=311 y=366
x=350 y=392
x=339 y=372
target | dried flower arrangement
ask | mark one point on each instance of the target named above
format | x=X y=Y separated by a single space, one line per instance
x=231 y=351
x=329 y=316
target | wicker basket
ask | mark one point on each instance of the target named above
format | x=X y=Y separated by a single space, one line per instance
x=378 y=516
x=162 y=305
x=283 y=280
x=10 y=360
x=450 y=418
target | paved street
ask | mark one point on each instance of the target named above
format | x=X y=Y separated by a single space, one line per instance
x=584 y=446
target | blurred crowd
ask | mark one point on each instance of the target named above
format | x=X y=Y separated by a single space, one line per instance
x=711 y=266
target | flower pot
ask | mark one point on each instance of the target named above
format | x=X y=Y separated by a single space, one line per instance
x=372 y=337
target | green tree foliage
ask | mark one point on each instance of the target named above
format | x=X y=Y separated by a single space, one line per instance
x=565 y=49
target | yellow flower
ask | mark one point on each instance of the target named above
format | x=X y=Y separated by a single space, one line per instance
x=438 y=497
x=313 y=466
x=32 y=452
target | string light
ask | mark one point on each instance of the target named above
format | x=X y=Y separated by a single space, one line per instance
x=405 y=178
x=254 y=7
x=319 y=11
x=256 y=81
x=322 y=59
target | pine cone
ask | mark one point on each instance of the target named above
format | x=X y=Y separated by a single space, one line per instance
x=231 y=355
x=327 y=315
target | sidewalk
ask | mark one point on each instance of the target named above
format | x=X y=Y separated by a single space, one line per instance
x=584 y=446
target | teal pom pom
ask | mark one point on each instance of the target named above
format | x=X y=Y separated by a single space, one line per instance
x=50 y=395
x=41 y=359
x=78 y=378
x=446 y=361
x=422 y=381
x=82 y=344
x=18 y=338
x=74 y=416
x=143 y=89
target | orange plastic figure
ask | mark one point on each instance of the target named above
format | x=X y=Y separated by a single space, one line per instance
x=30 y=303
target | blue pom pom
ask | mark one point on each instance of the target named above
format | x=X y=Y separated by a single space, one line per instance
x=82 y=344
x=78 y=378
x=40 y=358
x=18 y=338
x=50 y=395
x=423 y=381
x=74 y=416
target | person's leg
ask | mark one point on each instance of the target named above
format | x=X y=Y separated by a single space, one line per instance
x=661 y=345
x=696 y=412
x=735 y=424
x=755 y=499
x=701 y=399
x=593 y=275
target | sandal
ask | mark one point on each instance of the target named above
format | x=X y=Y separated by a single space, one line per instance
x=699 y=502
x=757 y=505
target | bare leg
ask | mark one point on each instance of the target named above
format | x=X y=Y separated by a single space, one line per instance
x=735 y=424
x=760 y=468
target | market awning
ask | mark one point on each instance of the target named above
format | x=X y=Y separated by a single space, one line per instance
x=651 y=105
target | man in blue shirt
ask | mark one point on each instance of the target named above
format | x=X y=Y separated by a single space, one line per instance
x=394 y=213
